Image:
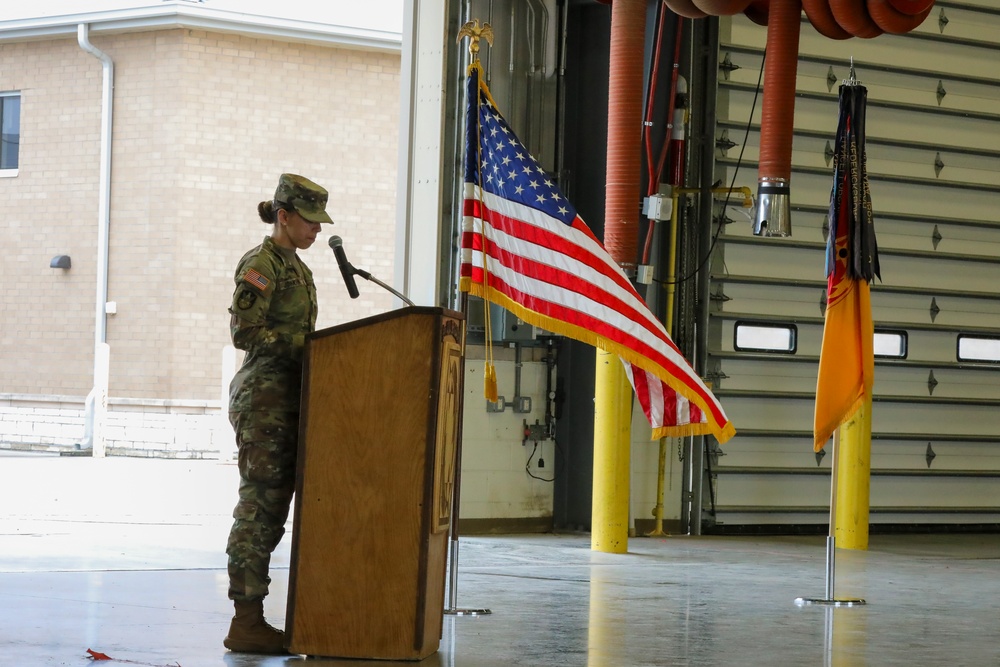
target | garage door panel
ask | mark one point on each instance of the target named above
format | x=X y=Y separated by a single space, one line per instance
x=769 y=452
x=788 y=376
x=934 y=491
x=764 y=489
x=928 y=419
x=959 y=129
x=946 y=455
x=892 y=380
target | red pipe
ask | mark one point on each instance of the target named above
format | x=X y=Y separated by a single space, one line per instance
x=778 y=104
x=822 y=19
x=721 y=7
x=893 y=21
x=685 y=8
x=656 y=173
x=621 y=210
x=651 y=176
x=672 y=127
x=678 y=150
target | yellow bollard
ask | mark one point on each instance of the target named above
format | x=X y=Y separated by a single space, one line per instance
x=854 y=480
x=612 y=435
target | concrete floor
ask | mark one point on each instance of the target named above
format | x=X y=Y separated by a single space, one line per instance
x=125 y=557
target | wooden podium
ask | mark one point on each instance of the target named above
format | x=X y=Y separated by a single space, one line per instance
x=376 y=468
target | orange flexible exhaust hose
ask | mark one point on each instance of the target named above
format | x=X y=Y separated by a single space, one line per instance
x=852 y=15
x=685 y=8
x=776 y=122
x=721 y=7
x=822 y=19
x=912 y=7
x=625 y=92
x=757 y=11
x=893 y=21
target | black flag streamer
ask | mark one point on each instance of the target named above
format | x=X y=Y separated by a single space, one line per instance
x=850 y=200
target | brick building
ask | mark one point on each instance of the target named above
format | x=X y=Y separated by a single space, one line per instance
x=209 y=106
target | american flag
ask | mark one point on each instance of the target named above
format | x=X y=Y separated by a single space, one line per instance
x=256 y=279
x=525 y=248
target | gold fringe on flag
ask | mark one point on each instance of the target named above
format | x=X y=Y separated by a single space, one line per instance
x=489 y=372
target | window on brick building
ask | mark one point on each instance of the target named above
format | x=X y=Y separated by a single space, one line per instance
x=10 y=131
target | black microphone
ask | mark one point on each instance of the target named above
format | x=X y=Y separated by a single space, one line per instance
x=346 y=270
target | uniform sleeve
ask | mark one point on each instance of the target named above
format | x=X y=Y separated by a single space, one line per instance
x=249 y=324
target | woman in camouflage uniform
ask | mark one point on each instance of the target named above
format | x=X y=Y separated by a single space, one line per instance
x=274 y=307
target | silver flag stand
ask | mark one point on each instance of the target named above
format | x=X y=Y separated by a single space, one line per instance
x=831 y=546
x=456 y=494
x=452 y=609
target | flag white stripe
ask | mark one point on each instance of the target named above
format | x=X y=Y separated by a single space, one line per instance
x=576 y=301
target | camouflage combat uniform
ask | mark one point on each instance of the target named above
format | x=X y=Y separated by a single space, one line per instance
x=274 y=307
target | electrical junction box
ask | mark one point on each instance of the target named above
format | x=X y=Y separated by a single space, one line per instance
x=657 y=207
x=505 y=327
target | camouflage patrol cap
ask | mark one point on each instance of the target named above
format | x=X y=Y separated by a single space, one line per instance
x=307 y=198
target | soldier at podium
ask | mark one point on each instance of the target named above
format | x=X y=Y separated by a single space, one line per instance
x=274 y=307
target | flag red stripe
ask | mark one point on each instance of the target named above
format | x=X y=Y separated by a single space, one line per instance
x=557 y=311
x=561 y=279
x=545 y=239
x=567 y=281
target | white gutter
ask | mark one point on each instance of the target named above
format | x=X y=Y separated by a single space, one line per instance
x=170 y=16
x=97 y=401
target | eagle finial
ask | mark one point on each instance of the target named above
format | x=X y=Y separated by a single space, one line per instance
x=472 y=30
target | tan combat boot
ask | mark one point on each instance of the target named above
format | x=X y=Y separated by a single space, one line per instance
x=250 y=633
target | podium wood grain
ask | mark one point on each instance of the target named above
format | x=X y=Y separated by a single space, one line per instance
x=376 y=467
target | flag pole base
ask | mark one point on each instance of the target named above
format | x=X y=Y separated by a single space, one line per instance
x=831 y=602
x=467 y=612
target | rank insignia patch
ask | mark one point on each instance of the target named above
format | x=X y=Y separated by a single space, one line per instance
x=256 y=279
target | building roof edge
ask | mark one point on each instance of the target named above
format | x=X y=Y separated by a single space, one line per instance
x=202 y=18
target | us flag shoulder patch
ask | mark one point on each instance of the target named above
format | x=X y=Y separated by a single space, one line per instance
x=254 y=277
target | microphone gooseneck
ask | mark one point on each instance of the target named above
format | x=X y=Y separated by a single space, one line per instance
x=348 y=270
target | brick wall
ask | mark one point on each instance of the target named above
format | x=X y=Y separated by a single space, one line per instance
x=136 y=427
x=203 y=125
x=50 y=208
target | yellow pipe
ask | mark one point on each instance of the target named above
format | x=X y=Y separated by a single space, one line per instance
x=612 y=436
x=660 y=480
x=669 y=323
x=854 y=480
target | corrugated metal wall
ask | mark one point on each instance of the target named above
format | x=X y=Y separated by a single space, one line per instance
x=934 y=168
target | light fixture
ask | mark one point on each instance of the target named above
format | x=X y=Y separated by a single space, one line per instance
x=60 y=262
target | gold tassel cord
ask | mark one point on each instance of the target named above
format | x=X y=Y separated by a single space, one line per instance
x=473 y=31
x=489 y=373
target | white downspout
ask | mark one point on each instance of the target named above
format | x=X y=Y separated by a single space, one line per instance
x=97 y=401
